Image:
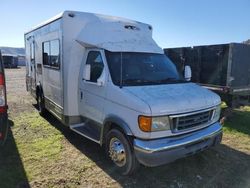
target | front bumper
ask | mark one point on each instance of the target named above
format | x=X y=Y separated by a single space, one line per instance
x=161 y=151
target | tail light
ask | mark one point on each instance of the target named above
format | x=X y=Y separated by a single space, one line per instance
x=3 y=106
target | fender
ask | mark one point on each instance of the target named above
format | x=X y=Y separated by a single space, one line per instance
x=120 y=123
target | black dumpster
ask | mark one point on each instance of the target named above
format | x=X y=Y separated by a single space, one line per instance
x=223 y=68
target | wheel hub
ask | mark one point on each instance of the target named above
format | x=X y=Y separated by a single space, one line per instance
x=117 y=152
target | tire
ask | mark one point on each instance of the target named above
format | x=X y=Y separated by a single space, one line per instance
x=120 y=151
x=5 y=130
x=41 y=104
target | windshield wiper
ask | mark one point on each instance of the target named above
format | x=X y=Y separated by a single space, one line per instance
x=138 y=81
x=175 y=80
x=133 y=81
x=143 y=81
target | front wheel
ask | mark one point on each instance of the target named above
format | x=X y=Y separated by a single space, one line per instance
x=119 y=150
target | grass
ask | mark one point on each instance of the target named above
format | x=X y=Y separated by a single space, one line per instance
x=44 y=141
x=237 y=129
x=239 y=123
x=37 y=143
x=38 y=154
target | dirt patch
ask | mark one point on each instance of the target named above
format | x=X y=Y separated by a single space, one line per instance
x=19 y=100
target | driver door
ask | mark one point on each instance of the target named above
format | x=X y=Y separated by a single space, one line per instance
x=92 y=94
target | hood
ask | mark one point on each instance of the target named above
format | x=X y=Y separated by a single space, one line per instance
x=175 y=98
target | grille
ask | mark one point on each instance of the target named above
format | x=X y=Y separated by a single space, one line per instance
x=191 y=121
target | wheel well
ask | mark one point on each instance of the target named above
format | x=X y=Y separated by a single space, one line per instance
x=111 y=125
x=38 y=90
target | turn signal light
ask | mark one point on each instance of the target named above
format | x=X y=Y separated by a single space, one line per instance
x=145 y=123
x=1 y=80
x=3 y=107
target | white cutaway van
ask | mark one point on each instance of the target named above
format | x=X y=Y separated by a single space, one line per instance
x=107 y=79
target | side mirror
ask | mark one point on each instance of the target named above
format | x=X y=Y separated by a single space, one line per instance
x=86 y=72
x=187 y=73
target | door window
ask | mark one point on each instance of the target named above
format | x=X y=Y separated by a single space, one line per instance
x=96 y=63
x=32 y=52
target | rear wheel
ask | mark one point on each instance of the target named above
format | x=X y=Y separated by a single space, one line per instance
x=119 y=150
x=41 y=104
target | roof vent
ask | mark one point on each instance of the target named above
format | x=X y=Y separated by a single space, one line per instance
x=72 y=15
x=132 y=27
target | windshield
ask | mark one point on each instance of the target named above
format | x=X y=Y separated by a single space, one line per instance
x=141 y=69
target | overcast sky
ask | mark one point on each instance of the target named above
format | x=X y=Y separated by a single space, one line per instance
x=176 y=22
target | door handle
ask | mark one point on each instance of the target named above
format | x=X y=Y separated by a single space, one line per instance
x=81 y=94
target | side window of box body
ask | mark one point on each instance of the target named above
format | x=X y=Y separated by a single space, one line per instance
x=51 y=54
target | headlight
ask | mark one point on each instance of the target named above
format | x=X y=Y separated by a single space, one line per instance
x=160 y=123
x=216 y=115
x=151 y=124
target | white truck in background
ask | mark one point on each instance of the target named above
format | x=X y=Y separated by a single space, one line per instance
x=107 y=79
